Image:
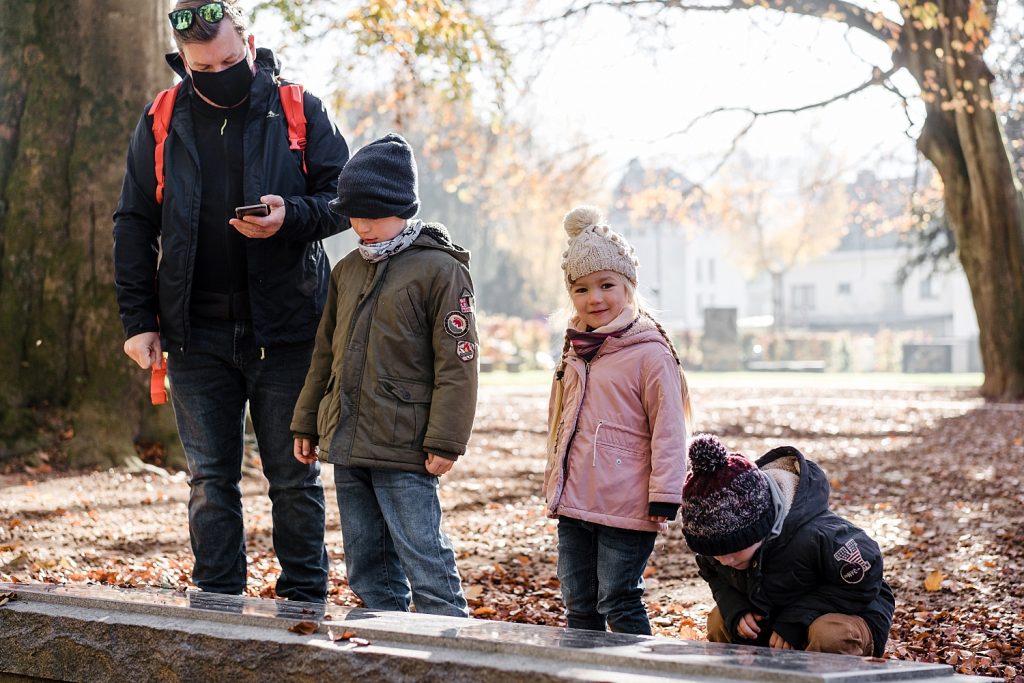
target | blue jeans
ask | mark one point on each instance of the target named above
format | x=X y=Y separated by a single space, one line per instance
x=210 y=385
x=601 y=569
x=395 y=551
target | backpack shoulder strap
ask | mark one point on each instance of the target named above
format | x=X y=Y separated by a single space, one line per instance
x=291 y=103
x=161 y=110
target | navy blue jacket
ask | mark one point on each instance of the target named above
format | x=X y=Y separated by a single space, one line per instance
x=288 y=273
x=819 y=563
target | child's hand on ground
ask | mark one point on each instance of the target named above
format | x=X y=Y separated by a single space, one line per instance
x=778 y=642
x=437 y=465
x=303 y=451
x=748 y=627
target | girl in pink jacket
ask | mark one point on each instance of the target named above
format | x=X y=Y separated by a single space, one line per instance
x=618 y=429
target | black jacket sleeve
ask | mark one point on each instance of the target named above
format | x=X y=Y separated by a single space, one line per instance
x=307 y=218
x=732 y=603
x=667 y=510
x=136 y=236
x=850 y=571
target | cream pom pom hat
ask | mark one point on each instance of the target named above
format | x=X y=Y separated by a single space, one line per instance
x=594 y=246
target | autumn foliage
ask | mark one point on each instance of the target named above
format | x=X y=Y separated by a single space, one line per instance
x=933 y=474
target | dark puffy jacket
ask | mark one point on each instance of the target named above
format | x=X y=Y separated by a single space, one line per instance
x=394 y=369
x=819 y=563
x=288 y=272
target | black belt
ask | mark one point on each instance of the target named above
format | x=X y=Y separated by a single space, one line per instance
x=233 y=306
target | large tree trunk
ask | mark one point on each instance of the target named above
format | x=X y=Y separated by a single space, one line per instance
x=74 y=77
x=963 y=139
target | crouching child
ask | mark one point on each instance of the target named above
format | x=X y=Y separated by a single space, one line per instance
x=785 y=571
x=391 y=390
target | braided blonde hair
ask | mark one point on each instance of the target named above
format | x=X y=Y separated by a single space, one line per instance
x=687 y=410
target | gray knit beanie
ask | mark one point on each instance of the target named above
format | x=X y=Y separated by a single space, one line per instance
x=594 y=246
x=379 y=181
x=727 y=501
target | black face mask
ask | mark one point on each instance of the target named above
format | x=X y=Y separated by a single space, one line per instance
x=227 y=88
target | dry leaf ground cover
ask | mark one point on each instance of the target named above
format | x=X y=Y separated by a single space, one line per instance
x=931 y=472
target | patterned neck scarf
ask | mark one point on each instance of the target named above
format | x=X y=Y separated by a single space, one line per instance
x=379 y=251
x=587 y=344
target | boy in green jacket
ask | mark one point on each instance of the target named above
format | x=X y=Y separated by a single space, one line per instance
x=391 y=391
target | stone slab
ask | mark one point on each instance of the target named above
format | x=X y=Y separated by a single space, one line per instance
x=90 y=633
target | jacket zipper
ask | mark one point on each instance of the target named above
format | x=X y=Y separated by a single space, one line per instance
x=226 y=234
x=572 y=434
x=596 y=432
x=370 y=285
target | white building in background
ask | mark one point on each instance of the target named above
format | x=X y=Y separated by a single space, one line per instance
x=685 y=269
x=855 y=287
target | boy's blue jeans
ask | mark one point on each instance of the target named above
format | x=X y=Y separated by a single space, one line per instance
x=395 y=551
x=601 y=569
x=210 y=385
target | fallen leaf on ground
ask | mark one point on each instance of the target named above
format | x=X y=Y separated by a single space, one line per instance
x=340 y=635
x=304 y=628
x=688 y=633
x=934 y=581
x=913 y=468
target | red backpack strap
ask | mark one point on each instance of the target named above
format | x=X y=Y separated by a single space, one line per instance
x=291 y=103
x=161 y=110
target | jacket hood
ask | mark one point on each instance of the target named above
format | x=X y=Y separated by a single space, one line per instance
x=812 y=491
x=435 y=236
x=265 y=59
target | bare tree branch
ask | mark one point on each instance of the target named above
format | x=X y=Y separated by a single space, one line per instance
x=891 y=87
x=874 y=24
x=728 y=154
x=877 y=77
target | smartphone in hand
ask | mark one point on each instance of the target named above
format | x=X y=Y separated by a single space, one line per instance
x=252 y=210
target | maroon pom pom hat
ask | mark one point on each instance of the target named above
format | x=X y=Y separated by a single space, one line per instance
x=727 y=501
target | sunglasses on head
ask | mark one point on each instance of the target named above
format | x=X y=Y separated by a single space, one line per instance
x=182 y=19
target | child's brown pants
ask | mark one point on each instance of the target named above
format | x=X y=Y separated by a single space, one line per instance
x=842 y=634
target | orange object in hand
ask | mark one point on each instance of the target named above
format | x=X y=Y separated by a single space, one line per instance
x=157 y=389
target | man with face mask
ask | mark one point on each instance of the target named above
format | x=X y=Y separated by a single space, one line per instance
x=234 y=302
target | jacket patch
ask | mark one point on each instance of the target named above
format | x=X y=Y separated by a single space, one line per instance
x=854 y=567
x=466 y=350
x=456 y=324
x=466 y=301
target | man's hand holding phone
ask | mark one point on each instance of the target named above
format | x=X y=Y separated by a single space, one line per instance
x=250 y=223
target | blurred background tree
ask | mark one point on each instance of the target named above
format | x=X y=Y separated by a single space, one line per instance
x=73 y=80
x=942 y=45
x=71 y=90
x=774 y=228
x=441 y=72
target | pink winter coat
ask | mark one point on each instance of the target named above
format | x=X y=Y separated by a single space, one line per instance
x=624 y=414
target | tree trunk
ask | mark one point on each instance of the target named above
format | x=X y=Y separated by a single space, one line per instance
x=963 y=139
x=73 y=80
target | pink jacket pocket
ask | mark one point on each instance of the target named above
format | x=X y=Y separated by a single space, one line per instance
x=621 y=465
